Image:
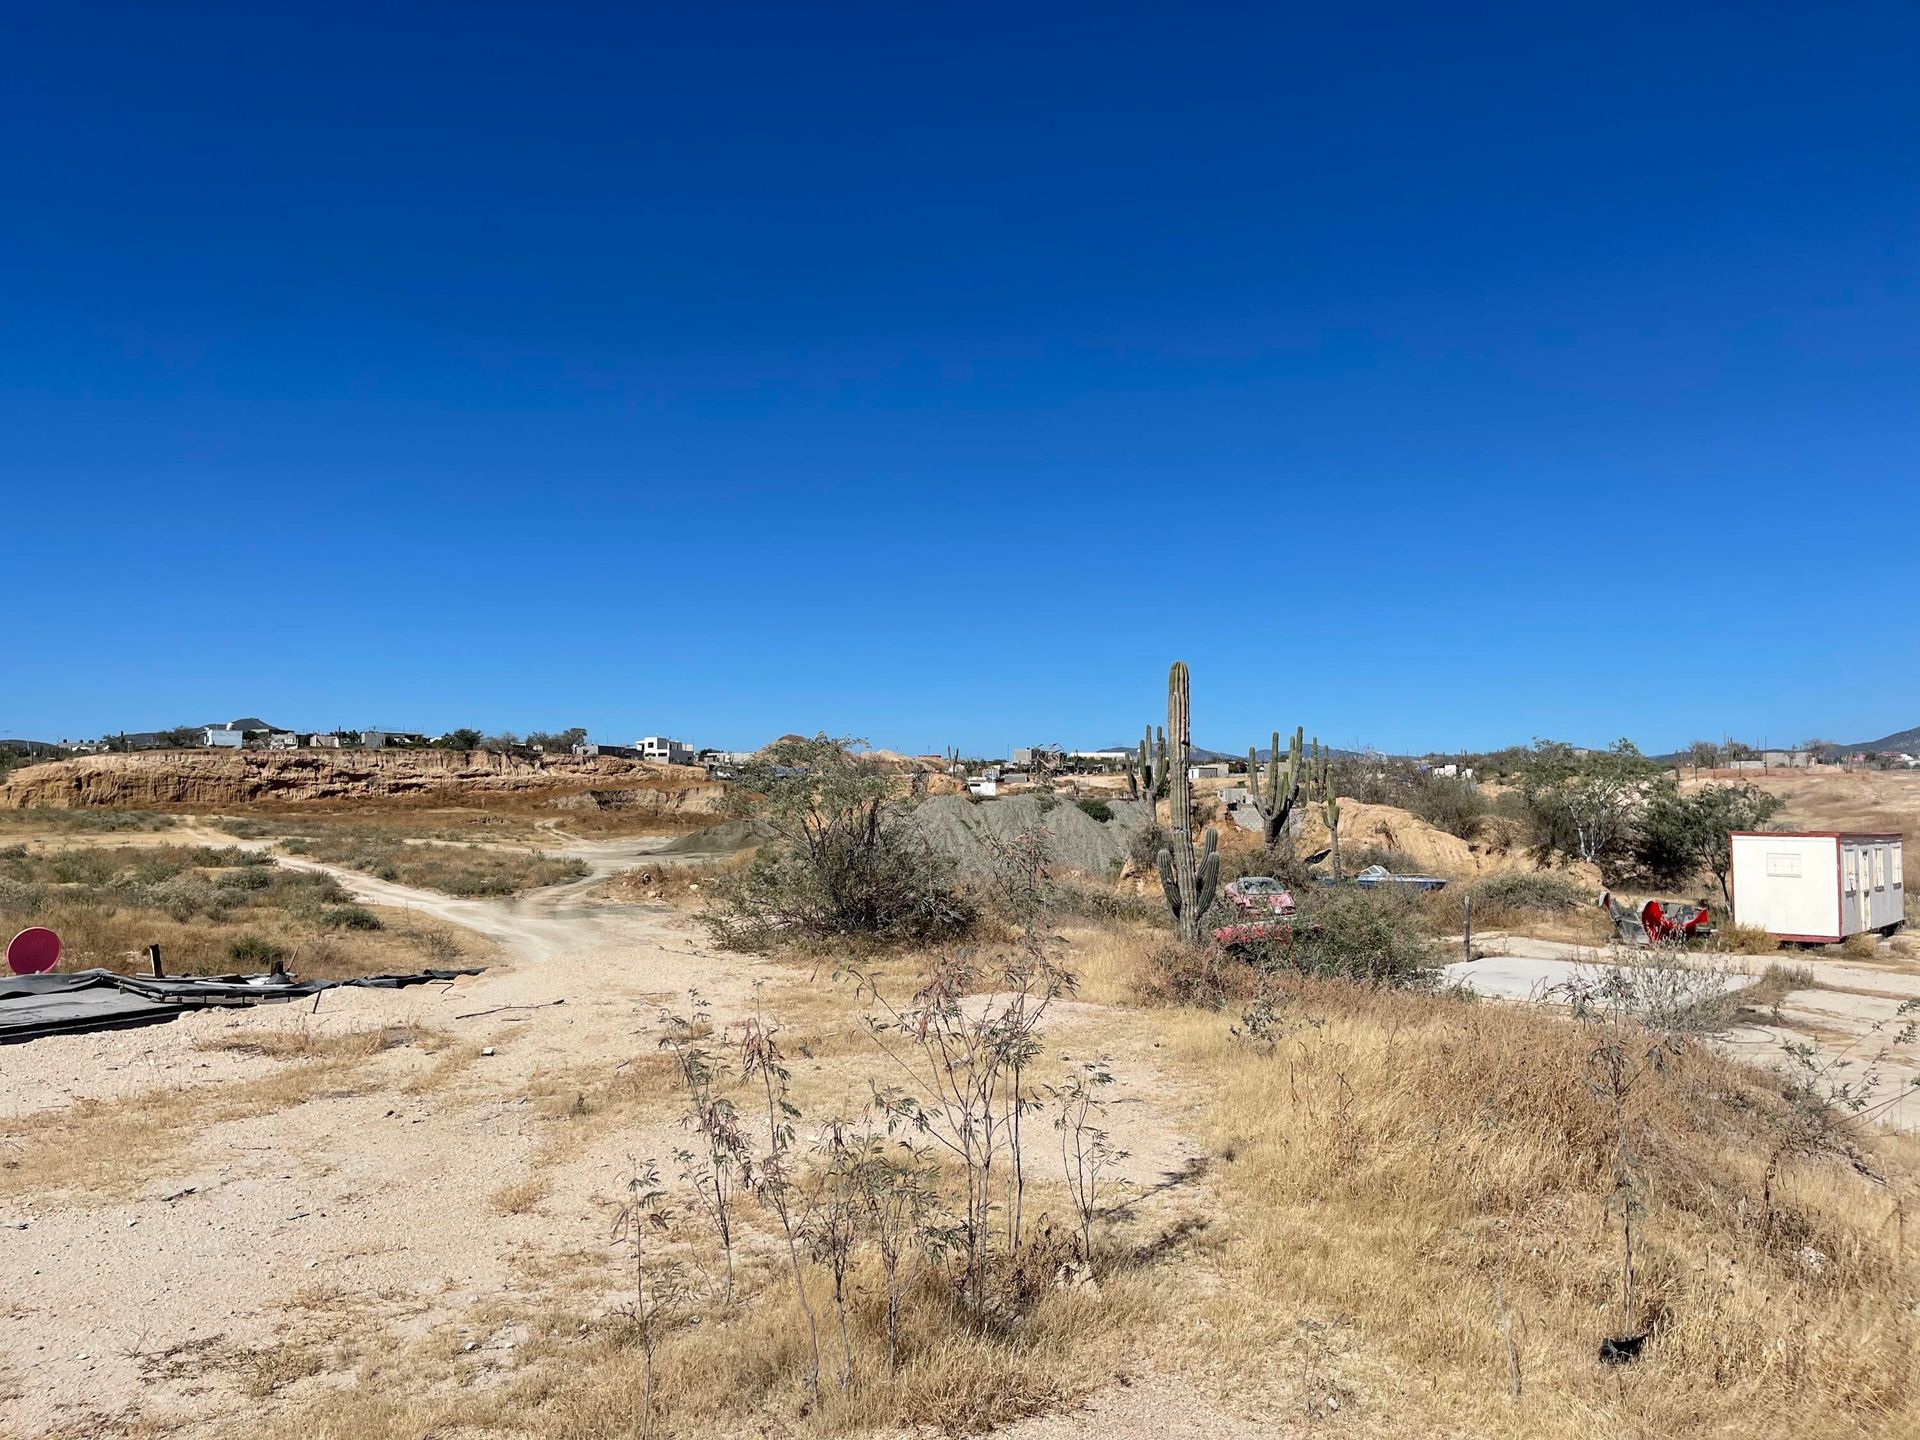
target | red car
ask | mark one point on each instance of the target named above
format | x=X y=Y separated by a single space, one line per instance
x=1259 y=895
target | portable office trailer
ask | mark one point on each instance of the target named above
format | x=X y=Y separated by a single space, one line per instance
x=1817 y=887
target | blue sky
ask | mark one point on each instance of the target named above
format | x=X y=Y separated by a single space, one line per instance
x=1432 y=376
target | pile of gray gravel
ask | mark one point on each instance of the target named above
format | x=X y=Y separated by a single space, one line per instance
x=965 y=830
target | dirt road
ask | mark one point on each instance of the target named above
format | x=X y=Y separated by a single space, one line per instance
x=278 y=1196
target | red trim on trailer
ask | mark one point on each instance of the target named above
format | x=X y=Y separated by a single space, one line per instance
x=1812 y=939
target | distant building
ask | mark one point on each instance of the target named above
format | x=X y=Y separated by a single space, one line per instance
x=390 y=739
x=324 y=742
x=282 y=740
x=986 y=786
x=668 y=752
x=587 y=749
x=1212 y=770
x=223 y=737
x=1028 y=754
x=85 y=747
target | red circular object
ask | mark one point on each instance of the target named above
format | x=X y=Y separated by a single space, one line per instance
x=33 y=950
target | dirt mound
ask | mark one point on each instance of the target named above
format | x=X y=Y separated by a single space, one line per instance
x=726 y=838
x=211 y=780
x=968 y=831
x=1387 y=827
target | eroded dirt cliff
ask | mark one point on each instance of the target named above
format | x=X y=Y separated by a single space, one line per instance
x=212 y=780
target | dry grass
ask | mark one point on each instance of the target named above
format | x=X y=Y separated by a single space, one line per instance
x=680 y=885
x=452 y=869
x=522 y=1197
x=1744 y=940
x=1391 y=1157
x=212 y=912
x=307 y=1042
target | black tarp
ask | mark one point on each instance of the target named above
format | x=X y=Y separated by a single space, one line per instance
x=32 y=1006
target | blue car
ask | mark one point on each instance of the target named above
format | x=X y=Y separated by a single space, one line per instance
x=1376 y=877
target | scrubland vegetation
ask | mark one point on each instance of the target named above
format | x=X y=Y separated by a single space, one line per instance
x=212 y=910
x=451 y=869
x=1434 y=1212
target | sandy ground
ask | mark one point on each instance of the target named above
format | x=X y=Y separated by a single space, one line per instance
x=368 y=1192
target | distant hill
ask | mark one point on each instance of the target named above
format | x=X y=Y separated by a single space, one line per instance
x=250 y=722
x=1903 y=740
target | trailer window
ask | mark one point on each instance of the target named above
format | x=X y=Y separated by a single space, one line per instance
x=1879 y=867
x=1853 y=871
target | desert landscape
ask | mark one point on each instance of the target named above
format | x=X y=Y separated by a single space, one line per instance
x=880 y=722
x=1375 y=1180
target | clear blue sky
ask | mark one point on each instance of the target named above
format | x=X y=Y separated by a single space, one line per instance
x=1433 y=376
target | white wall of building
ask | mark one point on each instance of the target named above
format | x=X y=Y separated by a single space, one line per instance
x=1817 y=887
x=1787 y=885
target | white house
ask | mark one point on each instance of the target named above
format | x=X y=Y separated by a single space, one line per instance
x=986 y=786
x=1817 y=887
x=1212 y=770
x=222 y=737
x=668 y=752
x=283 y=740
x=324 y=742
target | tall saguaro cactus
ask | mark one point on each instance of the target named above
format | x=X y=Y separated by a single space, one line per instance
x=1333 y=830
x=1274 y=795
x=1189 y=885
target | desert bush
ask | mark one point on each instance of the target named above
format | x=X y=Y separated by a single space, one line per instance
x=1378 y=937
x=843 y=862
x=1452 y=804
x=1073 y=900
x=349 y=917
x=1097 y=808
x=1860 y=947
x=1203 y=976
x=97 y=822
x=1744 y=940
x=1538 y=891
x=466 y=870
x=255 y=950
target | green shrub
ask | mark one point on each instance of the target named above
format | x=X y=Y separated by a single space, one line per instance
x=255 y=950
x=1097 y=808
x=1378 y=937
x=350 y=917
x=1536 y=890
x=1451 y=804
x=843 y=861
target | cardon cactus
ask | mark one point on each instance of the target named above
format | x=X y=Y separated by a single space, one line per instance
x=1333 y=830
x=1147 y=773
x=1273 y=796
x=1189 y=886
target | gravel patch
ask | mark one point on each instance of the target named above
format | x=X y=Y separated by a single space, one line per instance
x=966 y=831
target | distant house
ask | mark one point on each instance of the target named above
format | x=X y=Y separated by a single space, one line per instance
x=1031 y=754
x=324 y=742
x=390 y=739
x=1212 y=770
x=223 y=737
x=85 y=747
x=986 y=786
x=282 y=740
x=669 y=752
x=587 y=749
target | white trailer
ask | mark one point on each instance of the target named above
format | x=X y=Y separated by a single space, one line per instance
x=1817 y=887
